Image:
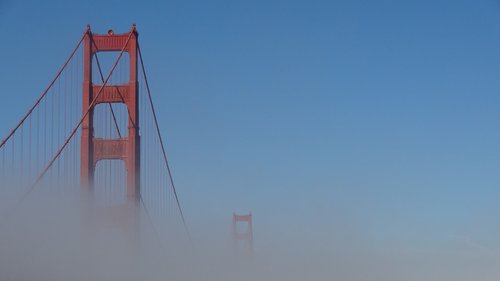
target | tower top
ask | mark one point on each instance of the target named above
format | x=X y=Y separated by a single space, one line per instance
x=110 y=32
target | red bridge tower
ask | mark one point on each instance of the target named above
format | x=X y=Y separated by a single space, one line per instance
x=126 y=148
x=245 y=236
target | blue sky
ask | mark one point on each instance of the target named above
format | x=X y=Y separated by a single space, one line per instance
x=379 y=118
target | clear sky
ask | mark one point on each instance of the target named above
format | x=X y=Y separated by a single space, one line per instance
x=374 y=119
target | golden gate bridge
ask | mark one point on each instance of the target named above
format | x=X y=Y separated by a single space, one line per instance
x=93 y=134
x=94 y=130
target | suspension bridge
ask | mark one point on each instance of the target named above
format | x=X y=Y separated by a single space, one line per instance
x=94 y=132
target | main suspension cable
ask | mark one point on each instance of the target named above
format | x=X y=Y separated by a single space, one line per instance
x=161 y=144
x=44 y=92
